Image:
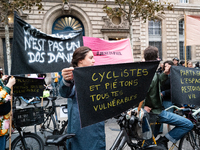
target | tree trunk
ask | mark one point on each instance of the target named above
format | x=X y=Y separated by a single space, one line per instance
x=7 y=40
x=131 y=37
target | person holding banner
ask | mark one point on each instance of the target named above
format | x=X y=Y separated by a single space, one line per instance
x=153 y=103
x=91 y=137
x=5 y=108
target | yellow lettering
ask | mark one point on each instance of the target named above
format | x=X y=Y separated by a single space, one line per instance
x=108 y=76
x=102 y=76
x=93 y=77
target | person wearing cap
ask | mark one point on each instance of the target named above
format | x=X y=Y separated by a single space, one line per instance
x=176 y=61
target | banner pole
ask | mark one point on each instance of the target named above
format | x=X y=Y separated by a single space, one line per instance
x=185 y=42
x=10 y=125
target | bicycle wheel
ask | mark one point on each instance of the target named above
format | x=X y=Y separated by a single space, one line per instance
x=33 y=141
x=190 y=141
x=37 y=103
x=48 y=127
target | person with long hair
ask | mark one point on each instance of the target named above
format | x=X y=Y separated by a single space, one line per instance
x=91 y=137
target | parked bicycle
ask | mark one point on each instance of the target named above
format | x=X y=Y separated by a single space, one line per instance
x=51 y=124
x=27 y=140
x=36 y=101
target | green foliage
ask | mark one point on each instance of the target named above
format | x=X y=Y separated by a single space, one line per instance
x=8 y=6
x=133 y=9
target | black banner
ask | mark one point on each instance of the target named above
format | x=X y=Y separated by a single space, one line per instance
x=28 y=86
x=108 y=90
x=185 y=85
x=36 y=52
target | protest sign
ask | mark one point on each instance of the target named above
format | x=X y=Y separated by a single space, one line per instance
x=109 y=52
x=36 y=52
x=192 y=23
x=185 y=85
x=105 y=91
x=28 y=87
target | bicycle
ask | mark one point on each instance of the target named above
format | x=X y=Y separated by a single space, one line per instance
x=51 y=123
x=191 y=140
x=128 y=135
x=36 y=101
x=27 y=140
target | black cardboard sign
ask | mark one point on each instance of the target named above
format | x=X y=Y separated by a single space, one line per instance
x=185 y=85
x=28 y=86
x=108 y=90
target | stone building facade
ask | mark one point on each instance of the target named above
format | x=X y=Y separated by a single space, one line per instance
x=167 y=33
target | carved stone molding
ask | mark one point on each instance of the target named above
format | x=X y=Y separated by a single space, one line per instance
x=109 y=26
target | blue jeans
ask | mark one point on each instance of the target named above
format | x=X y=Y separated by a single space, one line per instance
x=2 y=142
x=182 y=125
x=166 y=104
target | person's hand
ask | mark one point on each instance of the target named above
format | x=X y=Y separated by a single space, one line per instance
x=161 y=94
x=167 y=69
x=67 y=73
x=148 y=109
x=11 y=82
x=5 y=77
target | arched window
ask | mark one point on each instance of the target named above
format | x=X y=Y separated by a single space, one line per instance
x=67 y=23
x=181 y=43
x=155 y=36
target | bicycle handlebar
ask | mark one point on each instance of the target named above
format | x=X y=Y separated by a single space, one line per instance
x=195 y=111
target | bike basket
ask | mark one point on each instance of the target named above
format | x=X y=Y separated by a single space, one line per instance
x=28 y=116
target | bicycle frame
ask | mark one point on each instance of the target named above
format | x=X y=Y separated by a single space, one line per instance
x=51 y=115
x=30 y=102
x=24 y=144
x=120 y=140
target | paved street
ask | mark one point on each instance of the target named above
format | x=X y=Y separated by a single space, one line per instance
x=111 y=130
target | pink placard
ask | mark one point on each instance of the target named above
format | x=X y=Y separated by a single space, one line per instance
x=109 y=52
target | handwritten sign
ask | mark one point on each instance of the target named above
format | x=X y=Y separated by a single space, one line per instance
x=105 y=91
x=185 y=85
x=36 y=52
x=28 y=87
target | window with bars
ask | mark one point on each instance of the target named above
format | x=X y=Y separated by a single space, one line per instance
x=154 y=27
x=181 y=43
x=155 y=38
x=157 y=44
x=181 y=27
x=182 y=51
x=184 y=1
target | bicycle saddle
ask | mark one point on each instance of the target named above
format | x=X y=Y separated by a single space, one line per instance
x=58 y=139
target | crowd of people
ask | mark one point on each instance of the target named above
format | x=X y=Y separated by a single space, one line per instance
x=182 y=63
x=93 y=137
